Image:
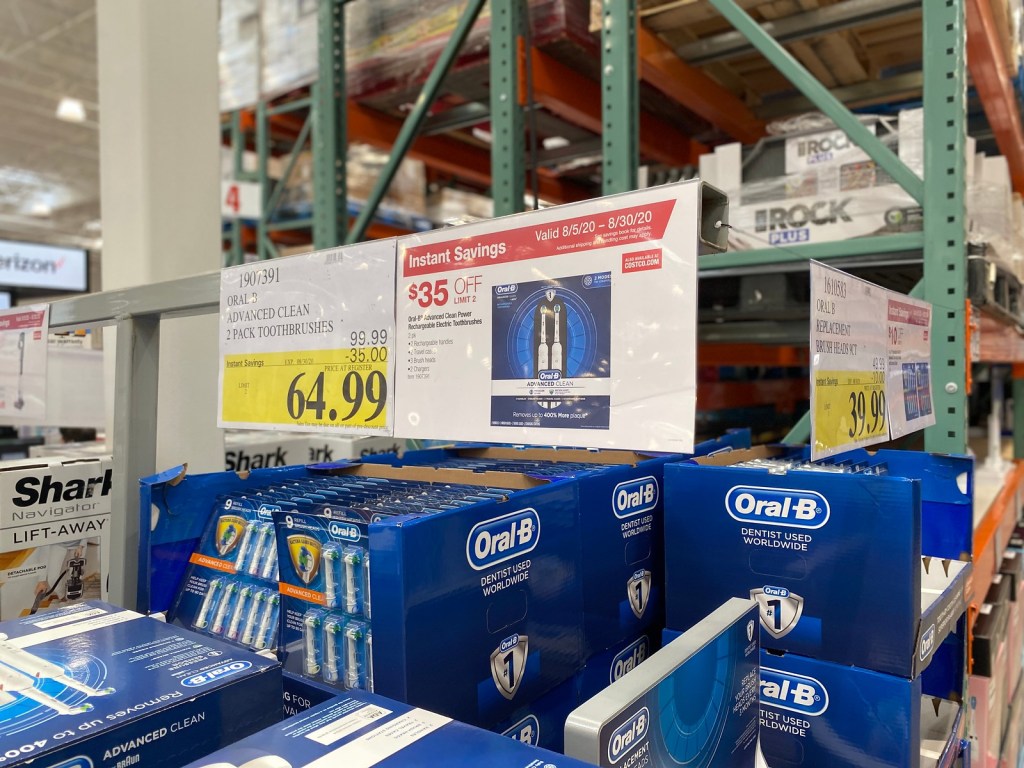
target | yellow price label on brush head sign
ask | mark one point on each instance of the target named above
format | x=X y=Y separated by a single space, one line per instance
x=849 y=407
x=307 y=342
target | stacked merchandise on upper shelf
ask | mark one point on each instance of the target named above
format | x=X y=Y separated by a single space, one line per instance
x=809 y=183
x=269 y=47
x=858 y=566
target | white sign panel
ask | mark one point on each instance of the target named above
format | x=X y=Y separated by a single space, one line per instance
x=27 y=265
x=240 y=200
x=573 y=325
x=307 y=342
x=848 y=362
x=909 y=380
x=23 y=339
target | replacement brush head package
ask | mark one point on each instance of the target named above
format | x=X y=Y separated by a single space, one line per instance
x=109 y=687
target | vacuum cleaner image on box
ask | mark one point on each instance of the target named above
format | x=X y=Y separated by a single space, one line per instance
x=692 y=703
x=551 y=351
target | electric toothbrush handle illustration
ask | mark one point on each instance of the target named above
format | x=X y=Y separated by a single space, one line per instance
x=13 y=681
x=556 y=348
x=542 y=348
x=22 y=661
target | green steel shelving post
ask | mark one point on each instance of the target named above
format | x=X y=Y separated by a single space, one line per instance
x=620 y=102
x=262 y=156
x=330 y=139
x=508 y=178
x=235 y=255
x=945 y=246
x=411 y=126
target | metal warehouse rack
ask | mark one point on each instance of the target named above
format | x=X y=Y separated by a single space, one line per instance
x=629 y=54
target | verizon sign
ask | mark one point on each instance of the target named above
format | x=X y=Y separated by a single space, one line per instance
x=26 y=265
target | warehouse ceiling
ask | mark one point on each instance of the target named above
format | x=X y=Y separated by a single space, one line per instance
x=49 y=167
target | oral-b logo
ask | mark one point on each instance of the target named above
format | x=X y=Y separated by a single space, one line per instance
x=927 y=642
x=635 y=496
x=505 y=290
x=795 y=693
x=775 y=591
x=218 y=673
x=344 y=531
x=526 y=730
x=502 y=538
x=629 y=735
x=777 y=506
x=628 y=659
x=550 y=375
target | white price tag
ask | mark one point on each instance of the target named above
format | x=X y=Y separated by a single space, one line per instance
x=240 y=200
x=574 y=325
x=848 y=362
x=908 y=385
x=306 y=342
x=23 y=342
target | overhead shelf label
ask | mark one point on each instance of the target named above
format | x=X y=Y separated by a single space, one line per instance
x=568 y=326
x=870 y=363
x=23 y=340
x=848 y=362
x=307 y=342
x=909 y=377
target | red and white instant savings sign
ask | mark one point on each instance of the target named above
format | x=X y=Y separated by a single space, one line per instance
x=573 y=325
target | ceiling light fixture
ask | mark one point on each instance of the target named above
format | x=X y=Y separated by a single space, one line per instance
x=41 y=209
x=71 y=110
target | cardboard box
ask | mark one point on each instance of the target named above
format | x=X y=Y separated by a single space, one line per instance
x=362 y=729
x=988 y=687
x=111 y=688
x=54 y=533
x=833 y=559
x=603 y=669
x=694 y=702
x=621 y=497
x=1010 y=752
x=301 y=693
x=1012 y=568
x=541 y=723
x=816 y=713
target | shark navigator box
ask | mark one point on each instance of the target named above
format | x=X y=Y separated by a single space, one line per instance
x=831 y=554
x=815 y=713
x=694 y=702
x=94 y=686
x=54 y=533
x=361 y=730
x=621 y=495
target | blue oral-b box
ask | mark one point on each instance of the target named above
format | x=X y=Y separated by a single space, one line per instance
x=815 y=713
x=360 y=729
x=833 y=558
x=95 y=686
x=694 y=702
x=603 y=669
x=541 y=723
x=621 y=495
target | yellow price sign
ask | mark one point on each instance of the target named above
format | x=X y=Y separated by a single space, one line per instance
x=345 y=388
x=849 y=408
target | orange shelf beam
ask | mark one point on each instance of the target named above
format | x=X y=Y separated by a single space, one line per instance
x=447 y=154
x=577 y=99
x=987 y=63
x=753 y=354
x=993 y=532
x=688 y=86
